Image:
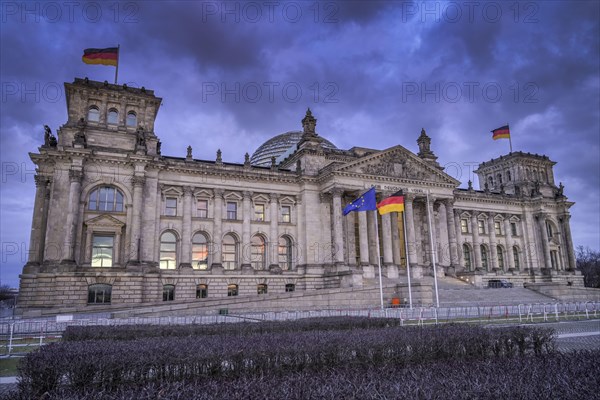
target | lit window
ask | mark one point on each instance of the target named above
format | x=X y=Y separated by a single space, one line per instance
x=516 y=257
x=481 y=226
x=290 y=287
x=259 y=212
x=229 y=252
x=484 y=258
x=131 y=119
x=199 y=251
x=513 y=228
x=232 y=290
x=464 y=225
x=286 y=214
x=467 y=256
x=99 y=294
x=168 y=251
x=500 y=257
x=258 y=252
x=168 y=292
x=285 y=253
x=113 y=117
x=261 y=288
x=93 y=114
x=231 y=210
x=171 y=206
x=201 y=291
x=497 y=228
x=102 y=251
x=202 y=208
x=106 y=199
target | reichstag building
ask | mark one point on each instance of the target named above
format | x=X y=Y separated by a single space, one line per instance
x=117 y=222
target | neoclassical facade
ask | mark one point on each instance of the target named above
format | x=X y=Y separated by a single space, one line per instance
x=117 y=222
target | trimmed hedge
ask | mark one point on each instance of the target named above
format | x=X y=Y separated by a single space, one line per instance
x=107 y=365
x=550 y=376
x=129 y=332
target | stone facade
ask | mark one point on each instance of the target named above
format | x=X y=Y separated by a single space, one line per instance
x=116 y=221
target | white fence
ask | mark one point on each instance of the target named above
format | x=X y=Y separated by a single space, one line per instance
x=18 y=335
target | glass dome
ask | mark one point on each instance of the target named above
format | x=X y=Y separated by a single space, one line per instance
x=280 y=147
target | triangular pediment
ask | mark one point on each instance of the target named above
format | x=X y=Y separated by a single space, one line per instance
x=397 y=162
x=104 y=220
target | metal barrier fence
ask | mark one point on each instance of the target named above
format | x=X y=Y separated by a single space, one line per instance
x=24 y=334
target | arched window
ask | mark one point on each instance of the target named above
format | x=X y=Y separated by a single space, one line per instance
x=285 y=252
x=230 y=251
x=99 y=293
x=168 y=251
x=131 y=119
x=500 y=257
x=516 y=257
x=232 y=290
x=93 y=114
x=484 y=257
x=491 y=181
x=258 y=255
x=106 y=198
x=113 y=116
x=467 y=256
x=199 y=251
x=261 y=288
x=168 y=292
x=202 y=291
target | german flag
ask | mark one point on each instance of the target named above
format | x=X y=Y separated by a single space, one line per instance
x=108 y=56
x=393 y=203
x=501 y=133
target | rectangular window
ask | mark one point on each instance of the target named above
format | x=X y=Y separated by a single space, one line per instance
x=259 y=212
x=497 y=228
x=464 y=225
x=290 y=287
x=102 y=251
x=481 y=226
x=286 y=214
x=168 y=292
x=549 y=229
x=232 y=290
x=513 y=228
x=171 y=206
x=202 y=208
x=202 y=291
x=231 y=210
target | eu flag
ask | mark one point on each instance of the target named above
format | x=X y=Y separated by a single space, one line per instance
x=366 y=202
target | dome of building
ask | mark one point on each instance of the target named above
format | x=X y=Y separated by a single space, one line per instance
x=280 y=147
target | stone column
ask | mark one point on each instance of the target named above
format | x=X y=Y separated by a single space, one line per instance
x=431 y=240
x=410 y=230
x=349 y=220
x=386 y=232
x=186 y=229
x=493 y=263
x=246 y=214
x=37 y=235
x=476 y=243
x=299 y=251
x=117 y=250
x=136 y=225
x=545 y=248
x=87 y=257
x=509 y=260
x=531 y=253
x=218 y=230
x=397 y=244
x=372 y=234
x=449 y=204
x=363 y=238
x=75 y=177
x=274 y=245
x=459 y=238
x=569 y=242
x=338 y=230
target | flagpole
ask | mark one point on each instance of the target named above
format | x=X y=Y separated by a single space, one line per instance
x=509 y=139
x=437 y=297
x=379 y=259
x=407 y=261
x=118 y=56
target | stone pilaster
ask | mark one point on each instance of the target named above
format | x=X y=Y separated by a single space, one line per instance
x=246 y=214
x=569 y=243
x=37 y=236
x=218 y=230
x=544 y=235
x=186 y=239
x=476 y=243
x=449 y=204
x=274 y=245
x=75 y=177
x=338 y=229
x=509 y=260
x=138 y=183
x=493 y=262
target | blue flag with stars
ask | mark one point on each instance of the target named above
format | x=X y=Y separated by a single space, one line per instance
x=366 y=202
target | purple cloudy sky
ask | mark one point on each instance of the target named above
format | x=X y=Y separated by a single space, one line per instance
x=233 y=74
